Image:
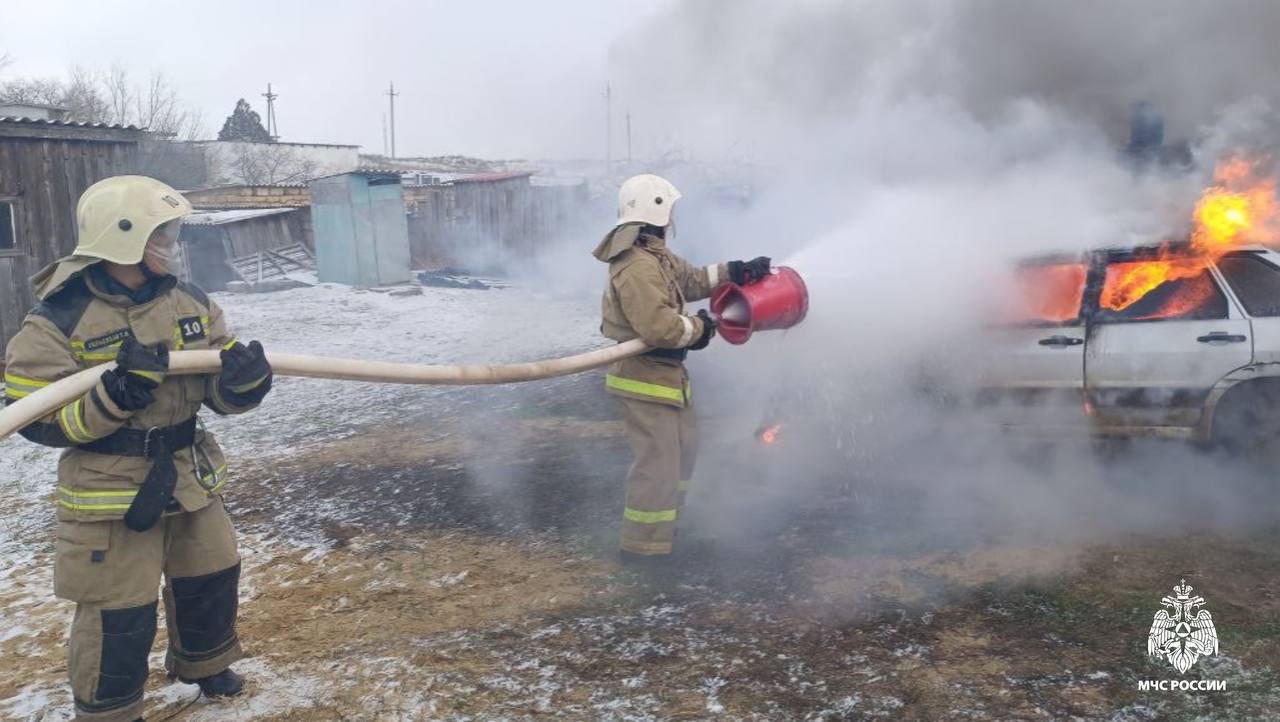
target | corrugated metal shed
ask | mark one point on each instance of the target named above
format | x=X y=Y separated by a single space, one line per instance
x=361 y=235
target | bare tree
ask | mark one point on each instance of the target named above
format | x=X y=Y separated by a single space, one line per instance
x=159 y=108
x=82 y=97
x=269 y=163
x=112 y=96
x=119 y=91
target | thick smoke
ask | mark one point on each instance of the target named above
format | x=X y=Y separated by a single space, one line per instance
x=734 y=71
x=901 y=156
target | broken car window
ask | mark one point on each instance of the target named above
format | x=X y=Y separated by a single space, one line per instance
x=1255 y=281
x=1047 y=294
x=1160 y=289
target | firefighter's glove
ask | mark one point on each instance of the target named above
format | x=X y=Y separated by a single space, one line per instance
x=708 y=331
x=744 y=273
x=139 y=370
x=246 y=374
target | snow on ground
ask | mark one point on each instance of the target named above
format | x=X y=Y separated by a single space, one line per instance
x=441 y=326
x=418 y=553
x=437 y=326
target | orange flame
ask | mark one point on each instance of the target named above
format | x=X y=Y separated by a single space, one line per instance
x=1128 y=283
x=770 y=434
x=1238 y=209
x=1049 y=293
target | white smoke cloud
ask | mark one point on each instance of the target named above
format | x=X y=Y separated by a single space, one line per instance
x=901 y=156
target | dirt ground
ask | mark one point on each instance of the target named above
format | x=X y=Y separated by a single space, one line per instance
x=462 y=568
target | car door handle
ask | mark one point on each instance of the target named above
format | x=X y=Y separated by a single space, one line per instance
x=1222 y=337
x=1061 y=341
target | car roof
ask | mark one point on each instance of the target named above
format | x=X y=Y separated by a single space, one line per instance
x=1149 y=250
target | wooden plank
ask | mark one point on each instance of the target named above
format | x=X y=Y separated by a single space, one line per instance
x=272 y=260
x=285 y=263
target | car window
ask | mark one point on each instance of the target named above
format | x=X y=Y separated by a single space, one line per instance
x=1160 y=289
x=1045 y=294
x=1255 y=281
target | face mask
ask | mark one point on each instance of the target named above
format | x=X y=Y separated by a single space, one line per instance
x=162 y=254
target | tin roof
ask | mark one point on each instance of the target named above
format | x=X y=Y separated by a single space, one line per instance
x=67 y=123
x=218 y=218
x=67 y=130
x=279 y=143
x=492 y=177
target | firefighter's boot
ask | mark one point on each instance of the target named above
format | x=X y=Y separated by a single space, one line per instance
x=223 y=684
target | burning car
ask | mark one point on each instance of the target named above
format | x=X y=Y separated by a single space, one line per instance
x=1163 y=340
x=1175 y=340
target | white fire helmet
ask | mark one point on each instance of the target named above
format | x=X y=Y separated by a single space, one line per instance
x=116 y=216
x=646 y=198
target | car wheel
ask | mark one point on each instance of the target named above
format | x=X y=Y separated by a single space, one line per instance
x=1246 y=423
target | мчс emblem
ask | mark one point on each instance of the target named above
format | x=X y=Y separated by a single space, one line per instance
x=1179 y=633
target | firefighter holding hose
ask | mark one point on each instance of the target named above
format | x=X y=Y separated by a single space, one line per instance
x=648 y=286
x=139 y=481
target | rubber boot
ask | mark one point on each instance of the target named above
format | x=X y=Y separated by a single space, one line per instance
x=223 y=684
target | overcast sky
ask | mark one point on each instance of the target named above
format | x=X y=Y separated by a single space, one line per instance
x=478 y=77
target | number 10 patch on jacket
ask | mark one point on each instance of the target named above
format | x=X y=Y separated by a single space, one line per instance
x=193 y=328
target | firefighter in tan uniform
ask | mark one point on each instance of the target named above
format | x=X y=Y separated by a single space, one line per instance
x=647 y=289
x=138 y=484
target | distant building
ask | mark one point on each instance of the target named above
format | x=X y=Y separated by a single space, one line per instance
x=483 y=221
x=33 y=111
x=242 y=163
x=44 y=167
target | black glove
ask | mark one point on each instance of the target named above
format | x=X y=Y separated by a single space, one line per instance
x=708 y=331
x=139 y=370
x=747 y=272
x=246 y=375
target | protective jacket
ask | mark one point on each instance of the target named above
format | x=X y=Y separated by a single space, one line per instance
x=80 y=322
x=647 y=289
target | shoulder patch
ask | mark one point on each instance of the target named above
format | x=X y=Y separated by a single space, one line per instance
x=66 y=307
x=195 y=292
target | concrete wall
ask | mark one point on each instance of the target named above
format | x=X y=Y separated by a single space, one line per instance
x=238 y=163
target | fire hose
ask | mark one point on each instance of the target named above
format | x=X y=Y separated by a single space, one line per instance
x=56 y=395
x=779 y=300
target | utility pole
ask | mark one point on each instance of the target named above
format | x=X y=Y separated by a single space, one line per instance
x=628 y=138
x=608 y=128
x=391 y=93
x=273 y=131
